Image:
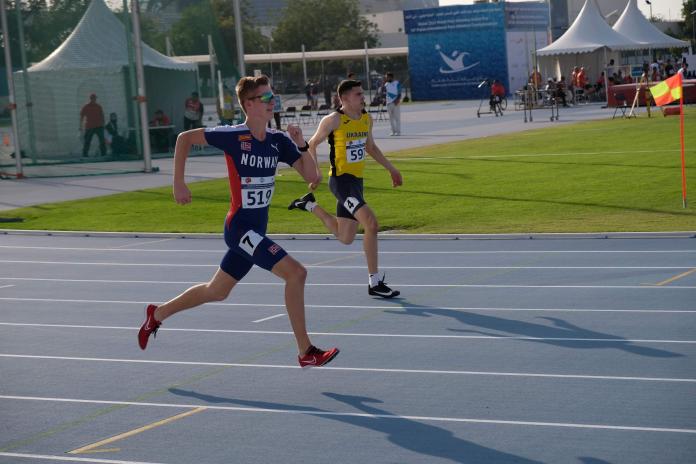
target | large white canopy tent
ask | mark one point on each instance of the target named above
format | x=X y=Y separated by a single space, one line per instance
x=94 y=59
x=635 y=26
x=588 y=42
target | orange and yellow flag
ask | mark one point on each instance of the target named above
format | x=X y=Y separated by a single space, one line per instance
x=668 y=90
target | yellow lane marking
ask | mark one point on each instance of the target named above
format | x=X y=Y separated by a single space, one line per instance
x=91 y=448
x=672 y=279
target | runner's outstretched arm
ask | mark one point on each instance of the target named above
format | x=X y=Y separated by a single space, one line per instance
x=305 y=166
x=184 y=141
x=327 y=125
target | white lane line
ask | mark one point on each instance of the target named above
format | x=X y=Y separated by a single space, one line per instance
x=454 y=252
x=48 y=457
x=268 y=318
x=6 y=286
x=145 y=243
x=355 y=369
x=369 y=308
x=318 y=412
x=319 y=266
x=463 y=157
x=336 y=284
x=351 y=334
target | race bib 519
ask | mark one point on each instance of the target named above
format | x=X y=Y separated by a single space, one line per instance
x=257 y=191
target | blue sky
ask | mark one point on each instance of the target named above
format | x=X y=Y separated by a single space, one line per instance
x=666 y=8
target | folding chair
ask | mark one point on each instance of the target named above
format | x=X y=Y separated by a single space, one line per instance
x=323 y=110
x=373 y=109
x=290 y=114
x=305 y=113
x=621 y=105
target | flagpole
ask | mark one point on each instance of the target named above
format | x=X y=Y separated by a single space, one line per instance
x=681 y=139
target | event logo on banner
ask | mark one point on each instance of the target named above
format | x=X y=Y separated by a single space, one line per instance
x=453 y=49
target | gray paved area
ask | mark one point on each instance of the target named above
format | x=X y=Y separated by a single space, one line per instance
x=423 y=124
x=499 y=351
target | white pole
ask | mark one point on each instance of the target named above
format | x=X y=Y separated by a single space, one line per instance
x=367 y=72
x=240 y=38
x=27 y=84
x=221 y=93
x=213 y=57
x=168 y=43
x=10 y=88
x=140 y=74
x=304 y=65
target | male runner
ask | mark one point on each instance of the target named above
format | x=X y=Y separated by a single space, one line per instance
x=252 y=153
x=349 y=131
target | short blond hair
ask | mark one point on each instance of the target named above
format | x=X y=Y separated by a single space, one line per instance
x=247 y=86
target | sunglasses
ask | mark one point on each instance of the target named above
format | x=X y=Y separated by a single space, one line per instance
x=264 y=97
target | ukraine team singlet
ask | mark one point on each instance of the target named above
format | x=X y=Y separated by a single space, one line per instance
x=348 y=145
x=251 y=166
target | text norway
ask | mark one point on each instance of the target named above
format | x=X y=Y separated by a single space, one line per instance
x=256 y=161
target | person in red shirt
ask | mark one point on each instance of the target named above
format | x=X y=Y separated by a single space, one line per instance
x=193 y=112
x=91 y=124
x=161 y=132
x=161 y=119
x=497 y=94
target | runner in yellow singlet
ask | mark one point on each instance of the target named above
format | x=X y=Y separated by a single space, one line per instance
x=349 y=132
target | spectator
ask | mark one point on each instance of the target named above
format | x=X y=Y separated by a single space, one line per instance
x=684 y=69
x=315 y=95
x=193 y=112
x=535 y=79
x=393 y=90
x=669 y=69
x=161 y=132
x=308 y=93
x=114 y=138
x=277 y=109
x=327 y=94
x=561 y=91
x=92 y=123
x=599 y=85
x=226 y=112
x=497 y=94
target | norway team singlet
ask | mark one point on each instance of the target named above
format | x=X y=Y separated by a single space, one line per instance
x=348 y=145
x=251 y=165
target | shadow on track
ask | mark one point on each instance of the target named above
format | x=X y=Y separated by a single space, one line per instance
x=419 y=437
x=511 y=327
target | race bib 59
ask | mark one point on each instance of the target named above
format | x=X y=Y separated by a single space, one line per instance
x=355 y=150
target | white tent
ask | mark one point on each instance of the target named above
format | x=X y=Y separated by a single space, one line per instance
x=94 y=59
x=589 y=32
x=636 y=27
x=585 y=43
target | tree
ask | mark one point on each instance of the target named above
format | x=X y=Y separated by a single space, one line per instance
x=687 y=7
x=215 y=17
x=323 y=25
x=46 y=25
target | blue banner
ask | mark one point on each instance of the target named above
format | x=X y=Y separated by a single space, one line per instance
x=453 y=49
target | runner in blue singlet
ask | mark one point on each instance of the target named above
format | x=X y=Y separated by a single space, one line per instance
x=252 y=153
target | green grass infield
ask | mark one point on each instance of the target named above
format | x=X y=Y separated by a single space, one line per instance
x=599 y=176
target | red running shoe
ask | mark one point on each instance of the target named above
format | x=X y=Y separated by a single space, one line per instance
x=150 y=326
x=314 y=357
